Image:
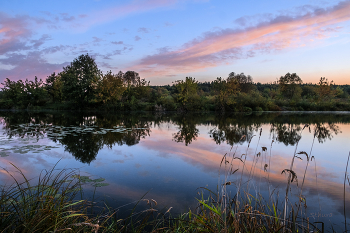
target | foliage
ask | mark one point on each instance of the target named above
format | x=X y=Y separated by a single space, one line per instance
x=55 y=204
x=225 y=91
x=131 y=78
x=186 y=93
x=245 y=83
x=110 y=88
x=324 y=89
x=289 y=86
x=23 y=94
x=54 y=87
x=80 y=80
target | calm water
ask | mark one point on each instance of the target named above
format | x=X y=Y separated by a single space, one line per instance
x=170 y=156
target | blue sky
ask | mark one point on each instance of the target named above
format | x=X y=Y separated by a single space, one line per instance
x=167 y=40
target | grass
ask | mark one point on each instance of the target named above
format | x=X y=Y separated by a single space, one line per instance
x=55 y=202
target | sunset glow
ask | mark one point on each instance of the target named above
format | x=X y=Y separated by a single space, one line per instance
x=167 y=40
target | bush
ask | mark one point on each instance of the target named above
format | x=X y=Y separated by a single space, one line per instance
x=247 y=109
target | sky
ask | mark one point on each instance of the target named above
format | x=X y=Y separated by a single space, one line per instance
x=168 y=40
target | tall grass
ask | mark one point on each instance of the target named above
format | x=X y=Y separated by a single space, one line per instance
x=46 y=205
x=54 y=203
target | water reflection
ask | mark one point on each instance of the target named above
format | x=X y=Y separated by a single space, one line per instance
x=187 y=129
x=84 y=135
x=175 y=154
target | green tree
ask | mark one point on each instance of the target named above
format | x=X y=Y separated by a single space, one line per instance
x=324 y=89
x=111 y=88
x=35 y=91
x=13 y=93
x=54 y=87
x=137 y=92
x=186 y=92
x=245 y=83
x=225 y=90
x=80 y=80
x=131 y=78
x=289 y=86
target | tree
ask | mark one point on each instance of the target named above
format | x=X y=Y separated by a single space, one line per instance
x=131 y=78
x=289 y=86
x=23 y=94
x=111 y=88
x=245 y=83
x=324 y=89
x=80 y=79
x=35 y=91
x=13 y=93
x=54 y=87
x=186 y=91
x=225 y=91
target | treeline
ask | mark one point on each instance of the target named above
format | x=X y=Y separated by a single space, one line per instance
x=81 y=85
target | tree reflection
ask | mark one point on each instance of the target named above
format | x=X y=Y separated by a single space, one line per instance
x=187 y=130
x=84 y=146
x=289 y=134
x=232 y=129
x=324 y=131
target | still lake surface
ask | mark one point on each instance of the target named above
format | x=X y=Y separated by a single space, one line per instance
x=170 y=156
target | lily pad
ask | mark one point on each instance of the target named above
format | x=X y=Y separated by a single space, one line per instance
x=3 y=154
x=98 y=180
x=100 y=184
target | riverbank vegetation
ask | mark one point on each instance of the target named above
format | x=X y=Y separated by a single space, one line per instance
x=81 y=85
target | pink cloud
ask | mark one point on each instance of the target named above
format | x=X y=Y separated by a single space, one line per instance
x=12 y=31
x=28 y=66
x=215 y=48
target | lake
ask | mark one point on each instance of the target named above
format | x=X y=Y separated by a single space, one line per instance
x=170 y=157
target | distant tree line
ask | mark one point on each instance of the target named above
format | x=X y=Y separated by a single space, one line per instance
x=81 y=85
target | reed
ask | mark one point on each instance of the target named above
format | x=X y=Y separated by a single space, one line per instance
x=54 y=203
x=48 y=205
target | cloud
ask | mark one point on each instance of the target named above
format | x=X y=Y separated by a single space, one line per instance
x=96 y=40
x=167 y=24
x=22 y=51
x=41 y=41
x=137 y=38
x=218 y=47
x=66 y=17
x=143 y=30
x=117 y=42
x=17 y=32
x=28 y=66
x=108 y=66
x=108 y=55
x=13 y=30
x=57 y=48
